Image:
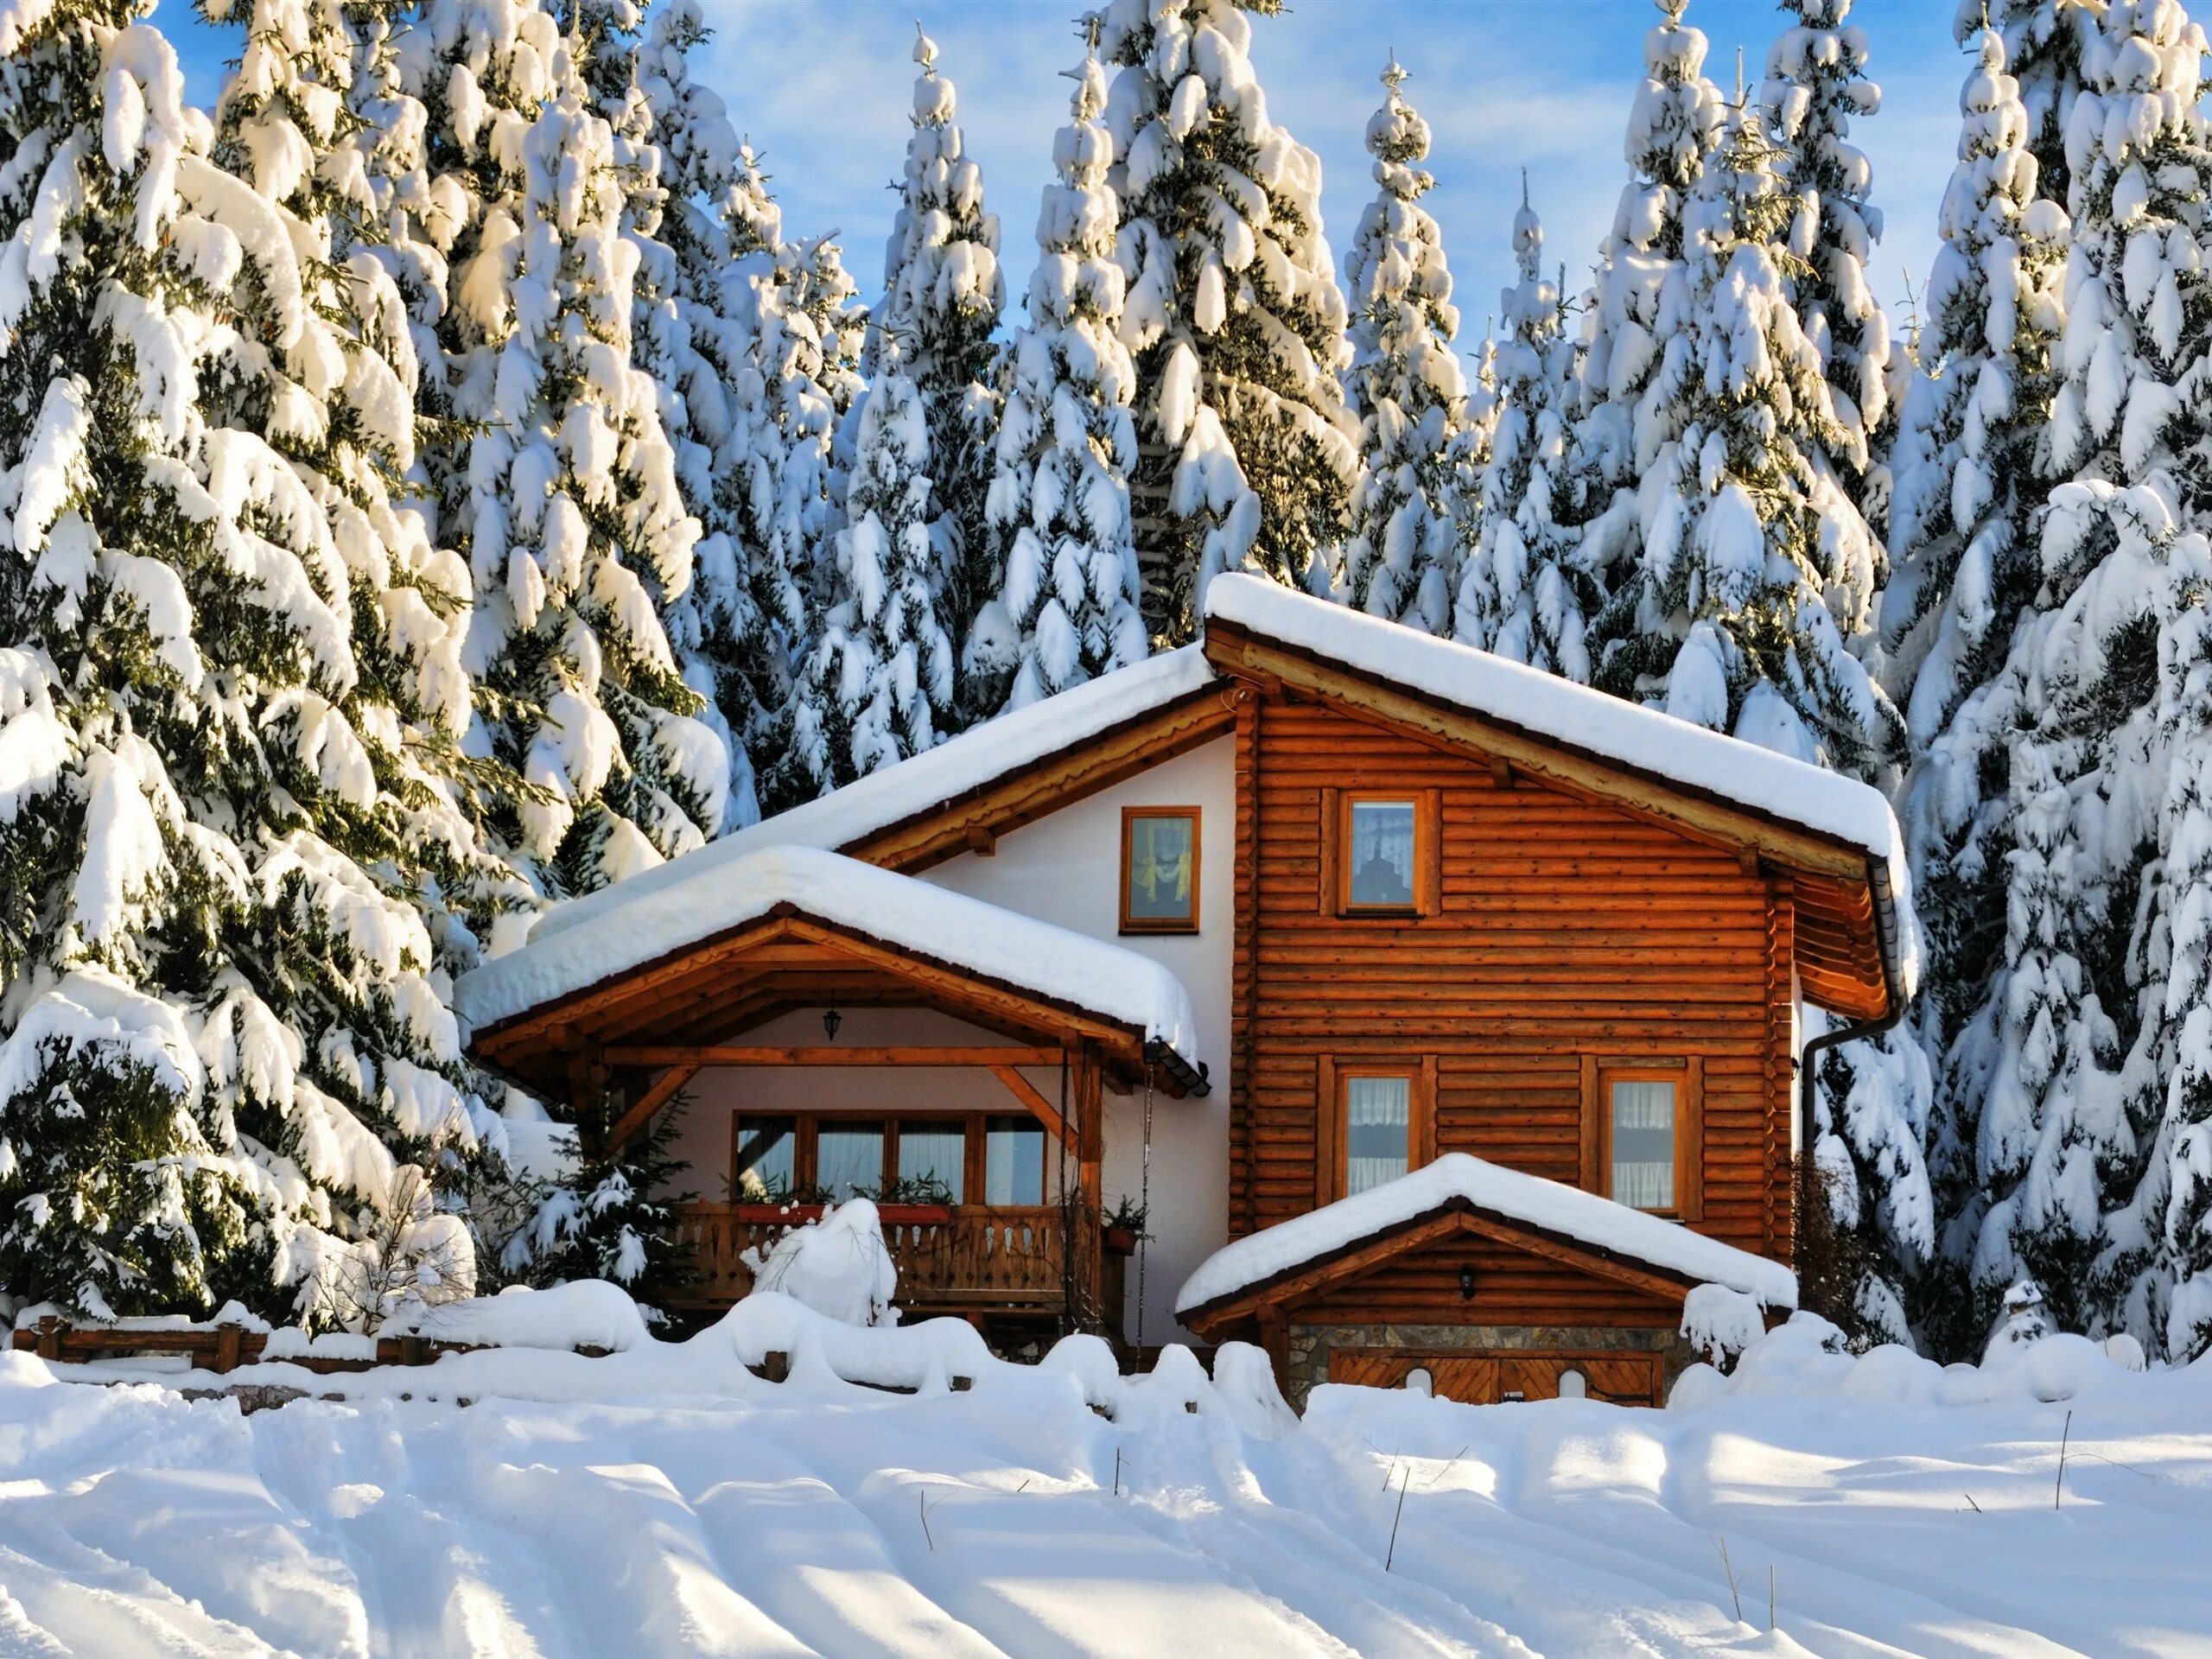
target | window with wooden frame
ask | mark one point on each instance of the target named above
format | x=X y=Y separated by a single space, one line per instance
x=1159 y=869
x=948 y=1158
x=1644 y=1134
x=1375 y=1120
x=1381 y=852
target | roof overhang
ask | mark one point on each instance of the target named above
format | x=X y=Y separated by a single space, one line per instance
x=1293 y=1261
x=794 y=928
x=1360 y=1257
x=1851 y=951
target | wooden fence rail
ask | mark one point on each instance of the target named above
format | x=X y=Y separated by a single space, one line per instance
x=224 y=1348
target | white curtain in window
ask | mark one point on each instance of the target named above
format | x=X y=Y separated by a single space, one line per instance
x=1643 y=1145
x=1378 y=1115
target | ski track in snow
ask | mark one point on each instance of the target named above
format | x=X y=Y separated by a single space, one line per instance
x=987 y=1525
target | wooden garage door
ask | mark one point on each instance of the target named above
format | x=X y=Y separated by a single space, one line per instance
x=1487 y=1379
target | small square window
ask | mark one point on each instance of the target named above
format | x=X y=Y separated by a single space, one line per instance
x=1379 y=855
x=1159 y=869
x=1643 y=1143
x=1379 y=1130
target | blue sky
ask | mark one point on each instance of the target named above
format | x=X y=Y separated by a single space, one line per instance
x=822 y=88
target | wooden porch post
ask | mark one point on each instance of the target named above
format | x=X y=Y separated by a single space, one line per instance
x=588 y=1081
x=1090 y=1147
x=1274 y=1340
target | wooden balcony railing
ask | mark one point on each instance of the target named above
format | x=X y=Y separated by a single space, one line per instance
x=961 y=1259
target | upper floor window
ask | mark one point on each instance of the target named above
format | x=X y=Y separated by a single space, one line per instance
x=1380 y=853
x=1379 y=848
x=1379 y=1128
x=1159 y=869
x=1643 y=1141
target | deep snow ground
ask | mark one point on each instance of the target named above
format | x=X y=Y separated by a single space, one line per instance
x=822 y=1518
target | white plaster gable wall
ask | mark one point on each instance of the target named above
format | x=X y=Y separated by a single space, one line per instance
x=1065 y=868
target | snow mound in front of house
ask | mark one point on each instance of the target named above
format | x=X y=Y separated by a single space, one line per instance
x=837 y=1265
x=1060 y=1509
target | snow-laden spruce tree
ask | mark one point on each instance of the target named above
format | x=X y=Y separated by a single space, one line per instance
x=1407 y=389
x=557 y=477
x=1477 y=442
x=1247 y=453
x=1755 y=577
x=1636 y=372
x=2044 y=45
x=1060 y=498
x=804 y=336
x=1754 y=571
x=693 y=332
x=2081 y=1079
x=1816 y=81
x=878 y=686
x=1972 y=470
x=942 y=296
x=1524 y=592
x=231 y=672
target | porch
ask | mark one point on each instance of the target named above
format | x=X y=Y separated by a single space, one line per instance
x=860 y=1034
x=1008 y=1266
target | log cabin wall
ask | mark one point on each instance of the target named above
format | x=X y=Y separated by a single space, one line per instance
x=1566 y=936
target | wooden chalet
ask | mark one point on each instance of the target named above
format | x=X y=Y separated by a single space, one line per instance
x=1248 y=934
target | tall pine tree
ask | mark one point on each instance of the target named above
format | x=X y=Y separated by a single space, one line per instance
x=942 y=298
x=2089 y=1081
x=1247 y=453
x=1816 y=81
x=1407 y=388
x=1973 y=469
x=1068 y=611
x=557 y=475
x=878 y=684
x=232 y=677
x=1524 y=592
x=1636 y=372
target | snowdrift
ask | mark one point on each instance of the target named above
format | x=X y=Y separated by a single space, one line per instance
x=663 y=1501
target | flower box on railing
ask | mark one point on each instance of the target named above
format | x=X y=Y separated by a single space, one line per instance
x=1118 y=1241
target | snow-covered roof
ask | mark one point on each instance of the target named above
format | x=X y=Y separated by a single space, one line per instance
x=1530 y=1199
x=699 y=896
x=1638 y=738
x=976 y=758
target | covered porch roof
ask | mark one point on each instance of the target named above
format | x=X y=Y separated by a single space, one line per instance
x=647 y=980
x=1295 y=1260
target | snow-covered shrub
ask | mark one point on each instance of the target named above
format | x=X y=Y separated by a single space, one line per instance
x=837 y=1265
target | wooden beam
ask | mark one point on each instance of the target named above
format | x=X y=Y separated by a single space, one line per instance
x=831 y=1054
x=663 y=1088
x=1582 y=1259
x=981 y=841
x=1045 y=1113
x=1234 y=651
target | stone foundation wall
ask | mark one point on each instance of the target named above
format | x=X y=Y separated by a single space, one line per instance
x=1310 y=1345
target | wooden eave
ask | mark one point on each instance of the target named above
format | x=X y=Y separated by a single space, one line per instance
x=1839 y=936
x=1283 y=1293
x=974 y=819
x=716 y=989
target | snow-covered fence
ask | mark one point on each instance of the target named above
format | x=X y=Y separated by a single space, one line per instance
x=223 y=1347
